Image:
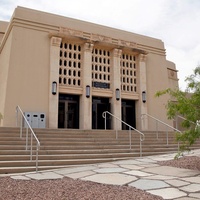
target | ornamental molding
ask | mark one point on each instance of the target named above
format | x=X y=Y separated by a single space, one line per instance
x=92 y=38
x=88 y=47
x=142 y=57
x=71 y=32
x=117 y=52
x=56 y=41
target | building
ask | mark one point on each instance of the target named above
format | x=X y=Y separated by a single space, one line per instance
x=72 y=71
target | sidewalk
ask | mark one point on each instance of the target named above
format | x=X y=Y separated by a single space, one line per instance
x=143 y=173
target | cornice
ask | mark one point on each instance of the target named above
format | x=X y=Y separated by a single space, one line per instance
x=95 y=38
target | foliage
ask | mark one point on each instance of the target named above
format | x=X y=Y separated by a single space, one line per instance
x=186 y=104
x=1 y=116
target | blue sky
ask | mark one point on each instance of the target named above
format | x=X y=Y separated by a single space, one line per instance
x=175 y=22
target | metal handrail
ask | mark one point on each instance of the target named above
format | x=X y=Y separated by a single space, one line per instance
x=32 y=135
x=130 y=127
x=178 y=116
x=157 y=120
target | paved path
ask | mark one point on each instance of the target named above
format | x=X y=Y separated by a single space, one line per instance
x=142 y=173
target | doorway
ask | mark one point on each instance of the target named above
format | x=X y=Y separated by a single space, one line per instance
x=128 y=114
x=99 y=105
x=68 y=111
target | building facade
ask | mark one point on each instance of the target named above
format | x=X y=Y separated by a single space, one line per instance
x=73 y=70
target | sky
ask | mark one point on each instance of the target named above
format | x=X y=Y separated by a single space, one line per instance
x=175 y=22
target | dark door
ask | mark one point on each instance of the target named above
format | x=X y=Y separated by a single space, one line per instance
x=68 y=115
x=99 y=105
x=61 y=115
x=72 y=115
x=128 y=114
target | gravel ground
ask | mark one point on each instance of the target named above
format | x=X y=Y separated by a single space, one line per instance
x=186 y=162
x=69 y=189
x=66 y=188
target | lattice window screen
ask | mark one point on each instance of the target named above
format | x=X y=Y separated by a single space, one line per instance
x=128 y=73
x=101 y=68
x=70 y=64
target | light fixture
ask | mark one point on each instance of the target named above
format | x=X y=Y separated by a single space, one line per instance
x=54 y=88
x=144 y=98
x=87 y=91
x=117 y=94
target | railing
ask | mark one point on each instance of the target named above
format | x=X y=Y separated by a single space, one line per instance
x=130 y=128
x=183 y=118
x=159 y=121
x=32 y=135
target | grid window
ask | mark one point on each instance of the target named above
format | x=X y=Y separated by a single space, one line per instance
x=70 y=64
x=101 y=68
x=128 y=73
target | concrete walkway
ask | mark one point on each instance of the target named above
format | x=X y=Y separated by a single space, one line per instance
x=143 y=173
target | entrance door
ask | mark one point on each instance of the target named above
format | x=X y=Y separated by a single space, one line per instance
x=68 y=115
x=99 y=105
x=128 y=114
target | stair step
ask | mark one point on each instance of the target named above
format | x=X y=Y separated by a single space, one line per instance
x=60 y=147
x=52 y=165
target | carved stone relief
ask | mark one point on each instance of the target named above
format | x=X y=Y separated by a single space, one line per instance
x=96 y=37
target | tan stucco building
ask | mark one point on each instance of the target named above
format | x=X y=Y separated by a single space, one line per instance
x=72 y=71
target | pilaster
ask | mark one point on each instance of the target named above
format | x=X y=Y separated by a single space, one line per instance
x=116 y=85
x=86 y=102
x=143 y=90
x=54 y=77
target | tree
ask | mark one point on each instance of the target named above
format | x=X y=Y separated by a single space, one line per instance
x=1 y=117
x=187 y=104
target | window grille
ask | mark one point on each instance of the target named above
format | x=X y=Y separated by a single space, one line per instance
x=128 y=73
x=101 y=68
x=70 y=64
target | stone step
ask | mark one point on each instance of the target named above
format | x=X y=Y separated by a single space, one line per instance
x=21 y=169
x=60 y=141
x=73 y=147
x=10 y=155
x=80 y=150
x=20 y=166
x=66 y=156
x=18 y=163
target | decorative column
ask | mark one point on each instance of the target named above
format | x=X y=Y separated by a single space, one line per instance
x=54 y=81
x=143 y=91
x=116 y=88
x=86 y=98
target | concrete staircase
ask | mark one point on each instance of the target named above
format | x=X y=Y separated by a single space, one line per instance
x=61 y=148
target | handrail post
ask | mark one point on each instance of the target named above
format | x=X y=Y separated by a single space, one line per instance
x=16 y=117
x=116 y=131
x=36 y=159
x=167 y=137
x=26 y=138
x=21 y=121
x=176 y=118
x=157 y=128
x=130 y=138
x=140 y=146
x=105 y=121
x=31 y=153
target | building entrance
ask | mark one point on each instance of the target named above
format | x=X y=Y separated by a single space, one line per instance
x=128 y=114
x=68 y=111
x=99 y=105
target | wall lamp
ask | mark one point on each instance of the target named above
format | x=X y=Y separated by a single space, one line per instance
x=87 y=91
x=54 y=88
x=117 y=94
x=144 y=96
